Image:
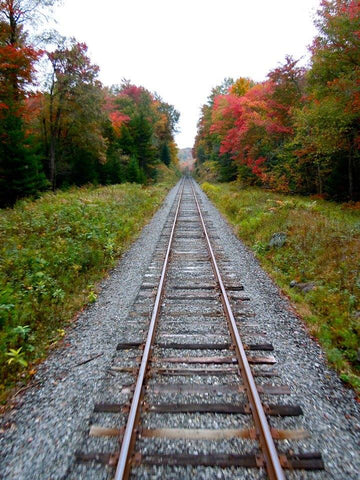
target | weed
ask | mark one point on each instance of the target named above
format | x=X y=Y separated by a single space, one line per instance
x=16 y=356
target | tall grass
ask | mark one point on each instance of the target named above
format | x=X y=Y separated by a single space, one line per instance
x=53 y=251
x=322 y=247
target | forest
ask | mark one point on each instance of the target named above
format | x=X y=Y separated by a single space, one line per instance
x=59 y=126
x=299 y=130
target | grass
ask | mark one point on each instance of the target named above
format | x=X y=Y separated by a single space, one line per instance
x=53 y=252
x=322 y=247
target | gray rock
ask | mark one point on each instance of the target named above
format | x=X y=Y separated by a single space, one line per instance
x=304 y=287
x=278 y=240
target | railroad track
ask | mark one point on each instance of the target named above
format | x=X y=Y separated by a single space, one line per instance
x=185 y=394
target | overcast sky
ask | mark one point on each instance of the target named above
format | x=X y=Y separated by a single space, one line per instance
x=181 y=49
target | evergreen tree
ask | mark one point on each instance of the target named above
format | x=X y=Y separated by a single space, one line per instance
x=165 y=155
x=142 y=134
x=135 y=174
x=20 y=168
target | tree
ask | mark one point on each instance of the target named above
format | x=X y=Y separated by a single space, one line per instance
x=165 y=155
x=20 y=169
x=143 y=128
x=142 y=132
x=207 y=143
x=334 y=80
x=248 y=124
x=73 y=110
x=251 y=127
x=135 y=174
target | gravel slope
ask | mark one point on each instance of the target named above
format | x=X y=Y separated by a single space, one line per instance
x=50 y=421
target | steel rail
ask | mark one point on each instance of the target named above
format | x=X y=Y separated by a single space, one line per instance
x=123 y=466
x=271 y=456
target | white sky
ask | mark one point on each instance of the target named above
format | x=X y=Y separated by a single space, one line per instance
x=181 y=49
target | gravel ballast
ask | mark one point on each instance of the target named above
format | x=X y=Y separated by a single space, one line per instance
x=51 y=421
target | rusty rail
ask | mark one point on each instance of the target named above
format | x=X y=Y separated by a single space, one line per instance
x=123 y=466
x=271 y=456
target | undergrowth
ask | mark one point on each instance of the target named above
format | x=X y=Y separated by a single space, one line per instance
x=53 y=252
x=322 y=248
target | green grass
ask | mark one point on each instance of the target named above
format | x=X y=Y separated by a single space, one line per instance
x=322 y=246
x=53 y=252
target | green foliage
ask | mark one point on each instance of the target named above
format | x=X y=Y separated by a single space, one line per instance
x=22 y=331
x=17 y=357
x=134 y=173
x=142 y=129
x=53 y=252
x=20 y=168
x=165 y=156
x=322 y=247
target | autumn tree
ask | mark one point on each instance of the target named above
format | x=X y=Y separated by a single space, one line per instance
x=143 y=130
x=329 y=127
x=72 y=116
x=207 y=142
x=250 y=126
x=247 y=126
x=20 y=169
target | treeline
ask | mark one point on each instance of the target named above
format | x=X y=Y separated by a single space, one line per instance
x=75 y=130
x=298 y=131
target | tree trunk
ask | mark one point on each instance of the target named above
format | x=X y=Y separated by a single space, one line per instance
x=13 y=40
x=350 y=174
x=320 y=183
x=52 y=159
x=52 y=154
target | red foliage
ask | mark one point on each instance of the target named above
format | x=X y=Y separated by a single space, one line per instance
x=133 y=92
x=32 y=107
x=16 y=70
x=354 y=9
x=117 y=120
x=243 y=122
x=18 y=60
x=72 y=64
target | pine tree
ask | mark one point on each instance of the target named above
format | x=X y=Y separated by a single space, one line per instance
x=135 y=174
x=142 y=134
x=20 y=168
x=165 y=156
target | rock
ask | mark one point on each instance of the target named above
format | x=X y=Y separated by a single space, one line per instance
x=278 y=240
x=304 y=287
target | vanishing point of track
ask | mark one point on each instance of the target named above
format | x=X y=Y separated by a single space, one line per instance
x=190 y=274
